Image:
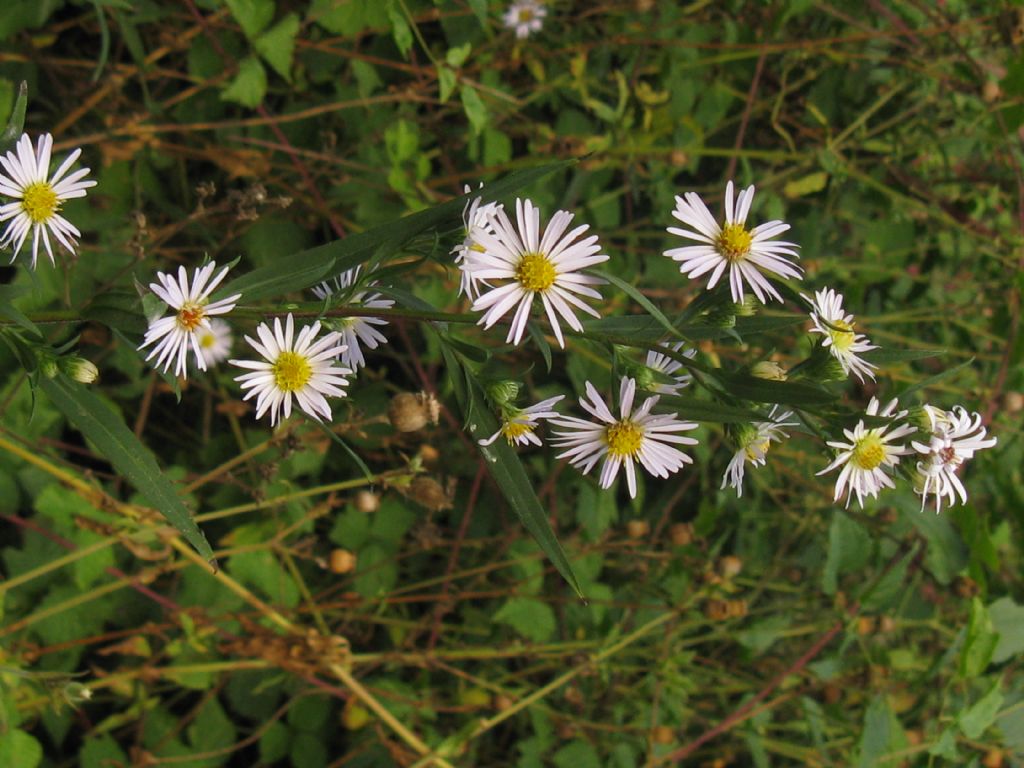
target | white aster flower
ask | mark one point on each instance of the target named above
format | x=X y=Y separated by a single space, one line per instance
x=533 y=265
x=668 y=367
x=525 y=17
x=519 y=424
x=955 y=436
x=868 y=453
x=179 y=332
x=747 y=253
x=293 y=366
x=215 y=341
x=38 y=197
x=753 y=442
x=356 y=331
x=840 y=340
x=476 y=217
x=635 y=436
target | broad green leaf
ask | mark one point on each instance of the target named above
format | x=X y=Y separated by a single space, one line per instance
x=797 y=393
x=101 y=752
x=980 y=639
x=125 y=452
x=252 y=16
x=1008 y=620
x=533 y=619
x=250 y=84
x=277 y=45
x=849 y=548
x=506 y=468
x=882 y=734
x=457 y=56
x=445 y=82
x=19 y=749
x=335 y=257
x=16 y=123
x=979 y=717
x=400 y=29
x=480 y=10
x=474 y=108
x=886 y=592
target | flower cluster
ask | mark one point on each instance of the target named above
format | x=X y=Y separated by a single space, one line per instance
x=512 y=271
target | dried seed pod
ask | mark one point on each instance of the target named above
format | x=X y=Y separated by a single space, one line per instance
x=637 y=529
x=662 y=734
x=737 y=608
x=730 y=566
x=367 y=501
x=429 y=493
x=681 y=534
x=342 y=561
x=409 y=412
x=716 y=610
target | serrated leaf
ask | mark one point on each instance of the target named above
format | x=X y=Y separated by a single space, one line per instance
x=506 y=468
x=333 y=258
x=252 y=16
x=16 y=123
x=125 y=452
x=277 y=45
x=249 y=86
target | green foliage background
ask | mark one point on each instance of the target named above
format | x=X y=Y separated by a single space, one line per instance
x=886 y=133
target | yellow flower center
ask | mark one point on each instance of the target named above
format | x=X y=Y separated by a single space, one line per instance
x=207 y=340
x=292 y=371
x=624 y=438
x=756 y=451
x=734 y=242
x=869 y=452
x=535 y=272
x=190 y=316
x=512 y=430
x=39 y=202
x=525 y=14
x=842 y=335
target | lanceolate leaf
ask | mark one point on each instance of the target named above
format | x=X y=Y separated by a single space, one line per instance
x=16 y=124
x=123 y=450
x=506 y=468
x=784 y=392
x=705 y=410
x=884 y=356
x=333 y=258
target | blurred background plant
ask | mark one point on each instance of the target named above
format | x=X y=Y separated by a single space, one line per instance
x=411 y=620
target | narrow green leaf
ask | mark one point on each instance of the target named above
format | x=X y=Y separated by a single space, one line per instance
x=980 y=716
x=640 y=299
x=474 y=108
x=126 y=453
x=335 y=257
x=117 y=309
x=445 y=82
x=16 y=124
x=8 y=293
x=797 y=393
x=931 y=380
x=706 y=410
x=400 y=29
x=884 y=356
x=506 y=468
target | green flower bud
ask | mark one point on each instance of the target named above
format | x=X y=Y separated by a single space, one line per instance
x=48 y=366
x=723 y=316
x=748 y=307
x=918 y=416
x=769 y=370
x=79 y=369
x=501 y=393
x=76 y=693
x=822 y=367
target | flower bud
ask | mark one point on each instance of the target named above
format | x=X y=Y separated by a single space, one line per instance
x=730 y=566
x=367 y=501
x=723 y=316
x=681 y=534
x=769 y=370
x=408 y=412
x=918 y=417
x=78 y=368
x=503 y=392
x=637 y=529
x=746 y=308
x=48 y=366
x=76 y=693
x=822 y=367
